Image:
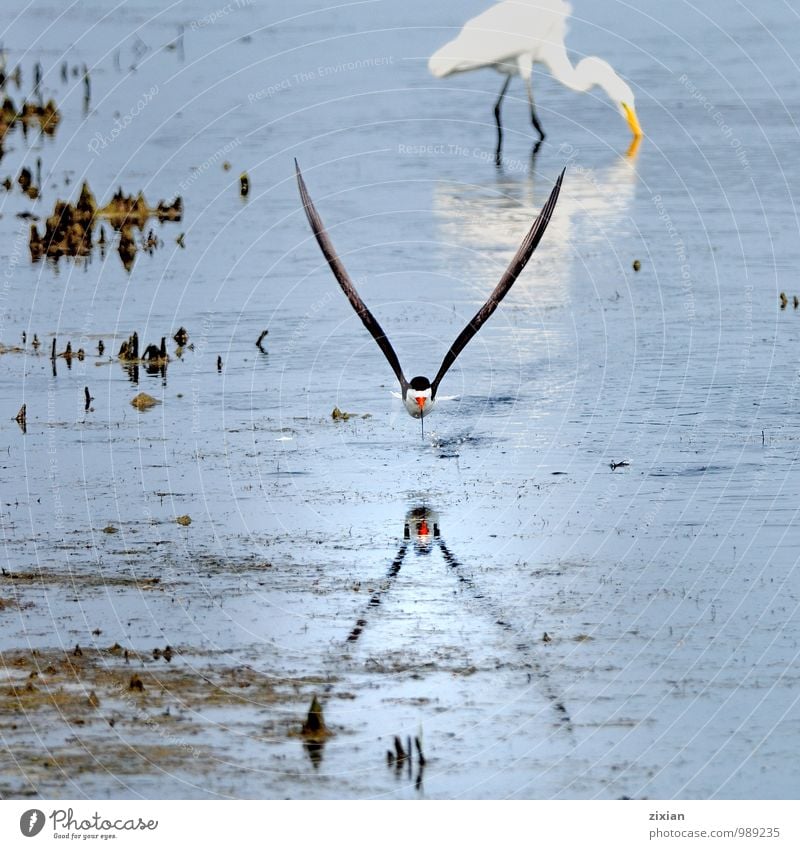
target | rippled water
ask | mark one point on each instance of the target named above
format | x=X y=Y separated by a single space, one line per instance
x=667 y=587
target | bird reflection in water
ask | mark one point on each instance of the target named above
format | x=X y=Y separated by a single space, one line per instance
x=421 y=529
x=422 y=534
x=478 y=222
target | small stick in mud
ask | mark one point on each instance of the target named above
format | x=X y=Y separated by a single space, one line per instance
x=621 y=464
x=100 y=347
x=129 y=350
x=260 y=340
x=400 y=753
x=53 y=352
x=156 y=357
x=219 y=363
x=244 y=184
x=89 y=398
x=25 y=179
x=36 y=343
x=420 y=756
x=314 y=726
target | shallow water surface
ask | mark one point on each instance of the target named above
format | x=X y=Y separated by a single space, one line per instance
x=574 y=630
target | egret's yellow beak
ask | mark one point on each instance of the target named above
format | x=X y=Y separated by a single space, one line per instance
x=633 y=121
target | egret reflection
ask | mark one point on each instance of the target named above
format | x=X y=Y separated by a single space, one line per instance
x=486 y=218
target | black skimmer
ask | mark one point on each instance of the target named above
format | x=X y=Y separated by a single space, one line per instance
x=419 y=393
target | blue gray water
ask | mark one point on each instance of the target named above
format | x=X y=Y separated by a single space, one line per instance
x=667 y=587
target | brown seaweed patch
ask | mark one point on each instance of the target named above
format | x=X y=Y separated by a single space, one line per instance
x=74 y=579
x=69 y=229
x=143 y=401
x=28 y=115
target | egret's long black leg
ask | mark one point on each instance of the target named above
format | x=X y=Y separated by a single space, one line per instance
x=497 y=119
x=534 y=119
x=536 y=145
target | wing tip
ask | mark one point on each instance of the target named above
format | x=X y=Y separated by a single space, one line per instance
x=557 y=187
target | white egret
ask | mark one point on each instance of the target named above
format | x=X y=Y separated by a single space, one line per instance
x=511 y=36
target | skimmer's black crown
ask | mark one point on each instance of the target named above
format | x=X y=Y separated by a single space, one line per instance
x=420 y=384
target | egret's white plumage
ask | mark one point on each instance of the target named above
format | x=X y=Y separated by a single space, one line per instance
x=511 y=36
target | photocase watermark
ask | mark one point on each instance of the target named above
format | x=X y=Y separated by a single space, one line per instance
x=32 y=822
x=300 y=333
x=198 y=377
x=100 y=141
x=745 y=340
x=212 y=160
x=212 y=17
x=680 y=252
x=14 y=259
x=303 y=77
x=719 y=120
x=52 y=454
x=570 y=155
x=64 y=820
x=459 y=150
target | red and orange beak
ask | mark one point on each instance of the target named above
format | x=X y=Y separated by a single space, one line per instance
x=420 y=403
